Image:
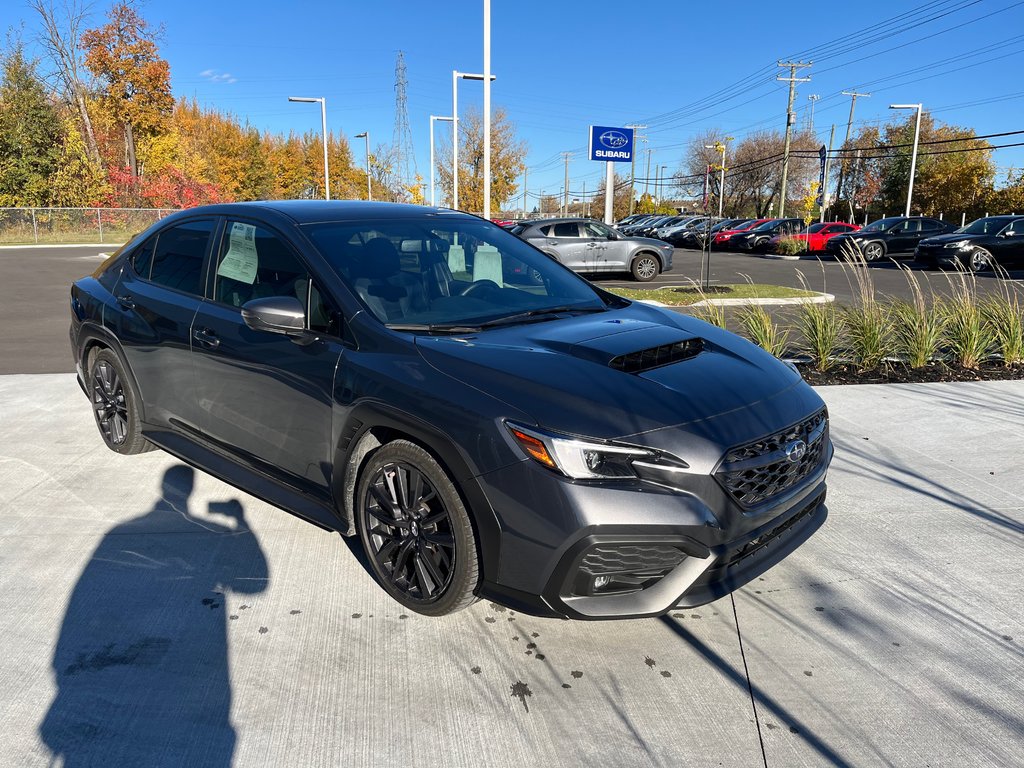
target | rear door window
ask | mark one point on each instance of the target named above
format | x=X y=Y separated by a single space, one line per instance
x=566 y=229
x=179 y=253
x=254 y=263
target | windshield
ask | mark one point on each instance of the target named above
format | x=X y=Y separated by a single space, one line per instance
x=814 y=228
x=442 y=271
x=987 y=226
x=767 y=225
x=882 y=224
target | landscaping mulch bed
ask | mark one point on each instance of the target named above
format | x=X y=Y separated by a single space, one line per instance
x=901 y=374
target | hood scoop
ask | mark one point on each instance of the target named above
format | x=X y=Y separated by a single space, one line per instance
x=655 y=357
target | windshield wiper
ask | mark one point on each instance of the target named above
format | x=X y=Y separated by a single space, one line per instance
x=538 y=314
x=433 y=327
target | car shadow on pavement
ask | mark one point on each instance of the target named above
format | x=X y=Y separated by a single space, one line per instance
x=141 y=664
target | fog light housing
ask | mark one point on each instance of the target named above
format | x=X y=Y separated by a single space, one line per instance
x=602 y=581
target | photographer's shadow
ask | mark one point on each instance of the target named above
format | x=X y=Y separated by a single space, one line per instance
x=141 y=664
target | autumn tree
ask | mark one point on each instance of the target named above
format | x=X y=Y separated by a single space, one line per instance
x=30 y=134
x=61 y=28
x=508 y=155
x=123 y=56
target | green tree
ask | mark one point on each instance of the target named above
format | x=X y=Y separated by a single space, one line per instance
x=77 y=181
x=124 y=57
x=30 y=134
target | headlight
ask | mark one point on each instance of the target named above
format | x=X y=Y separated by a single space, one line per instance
x=958 y=244
x=577 y=458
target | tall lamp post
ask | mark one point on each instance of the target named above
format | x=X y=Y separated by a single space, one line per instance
x=369 y=190
x=432 y=119
x=487 y=109
x=913 y=157
x=720 y=146
x=323 y=118
x=456 y=76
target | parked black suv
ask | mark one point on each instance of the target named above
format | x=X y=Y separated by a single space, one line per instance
x=896 y=234
x=539 y=442
x=756 y=240
x=988 y=243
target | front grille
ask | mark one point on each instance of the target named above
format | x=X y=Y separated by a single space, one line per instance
x=655 y=357
x=631 y=558
x=757 y=471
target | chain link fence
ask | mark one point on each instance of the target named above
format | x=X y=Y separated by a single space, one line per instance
x=75 y=225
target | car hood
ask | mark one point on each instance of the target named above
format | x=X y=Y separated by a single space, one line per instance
x=951 y=237
x=559 y=373
x=647 y=241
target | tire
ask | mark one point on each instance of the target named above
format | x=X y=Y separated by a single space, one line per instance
x=645 y=267
x=115 y=405
x=979 y=260
x=874 y=251
x=416 y=533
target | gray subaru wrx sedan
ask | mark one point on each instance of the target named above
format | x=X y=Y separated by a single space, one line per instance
x=485 y=421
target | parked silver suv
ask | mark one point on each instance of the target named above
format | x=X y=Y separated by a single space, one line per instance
x=585 y=245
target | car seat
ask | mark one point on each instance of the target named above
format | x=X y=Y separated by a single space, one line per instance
x=390 y=293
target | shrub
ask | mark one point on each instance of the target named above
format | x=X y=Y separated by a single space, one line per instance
x=821 y=326
x=918 y=325
x=1005 y=317
x=706 y=311
x=762 y=330
x=869 y=333
x=968 y=335
x=790 y=246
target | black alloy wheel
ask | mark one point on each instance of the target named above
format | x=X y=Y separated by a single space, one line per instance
x=415 y=530
x=113 y=403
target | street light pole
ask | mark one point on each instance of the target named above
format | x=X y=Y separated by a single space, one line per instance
x=432 y=119
x=456 y=76
x=323 y=119
x=369 y=190
x=487 y=109
x=913 y=156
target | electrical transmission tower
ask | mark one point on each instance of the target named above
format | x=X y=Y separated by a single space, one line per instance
x=405 y=158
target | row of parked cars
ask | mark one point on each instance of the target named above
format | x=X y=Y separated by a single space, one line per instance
x=987 y=243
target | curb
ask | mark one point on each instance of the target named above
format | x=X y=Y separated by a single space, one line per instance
x=820 y=298
x=113 y=246
x=780 y=257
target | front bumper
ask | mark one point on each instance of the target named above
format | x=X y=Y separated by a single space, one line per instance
x=657 y=547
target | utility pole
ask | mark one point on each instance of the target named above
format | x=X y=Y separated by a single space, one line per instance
x=657 y=184
x=790 y=119
x=583 y=205
x=565 y=198
x=647 y=173
x=632 y=165
x=849 y=125
x=813 y=98
x=525 y=211
x=661 y=196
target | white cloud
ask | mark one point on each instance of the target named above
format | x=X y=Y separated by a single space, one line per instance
x=218 y=77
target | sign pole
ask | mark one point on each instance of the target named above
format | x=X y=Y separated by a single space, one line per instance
x=609 y=193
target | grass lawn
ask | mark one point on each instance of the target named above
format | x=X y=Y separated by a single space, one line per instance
x=682 y=297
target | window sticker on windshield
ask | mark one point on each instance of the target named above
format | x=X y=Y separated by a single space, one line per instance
x=240 y=262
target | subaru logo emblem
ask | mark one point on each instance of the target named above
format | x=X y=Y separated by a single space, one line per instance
x=613 y=139
x=796 y=450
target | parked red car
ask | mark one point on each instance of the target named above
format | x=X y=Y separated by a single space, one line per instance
x=817 y=235
x=721 y=237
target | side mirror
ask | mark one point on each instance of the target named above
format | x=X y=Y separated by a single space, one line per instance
x=613 y=236
x=275 y=314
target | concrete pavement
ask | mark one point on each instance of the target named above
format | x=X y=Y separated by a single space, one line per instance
x=156 y=616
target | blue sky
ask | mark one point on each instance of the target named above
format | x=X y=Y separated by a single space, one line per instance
x=564 y=65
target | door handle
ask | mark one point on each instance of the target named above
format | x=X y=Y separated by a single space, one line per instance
x=126 y=302
x=207 y=337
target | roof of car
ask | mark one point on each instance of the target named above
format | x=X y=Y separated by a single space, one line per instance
x=309 y=211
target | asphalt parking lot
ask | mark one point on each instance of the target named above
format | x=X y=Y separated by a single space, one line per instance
x=156 y=616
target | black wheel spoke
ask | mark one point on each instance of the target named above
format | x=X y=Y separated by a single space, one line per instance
x=440 y=539
x=426 y=585
x=426 y=560
x=434 y=519
x=402 y=559
x=388 y=512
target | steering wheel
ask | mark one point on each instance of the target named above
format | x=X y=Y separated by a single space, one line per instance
x=477 y=286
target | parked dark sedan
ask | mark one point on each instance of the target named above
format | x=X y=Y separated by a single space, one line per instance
x=695 y=237
x=547 y=445
x=988 y=243
x=896 y=234
x=757 y=239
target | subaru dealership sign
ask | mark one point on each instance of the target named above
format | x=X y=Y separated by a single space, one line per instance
x=614 y=145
